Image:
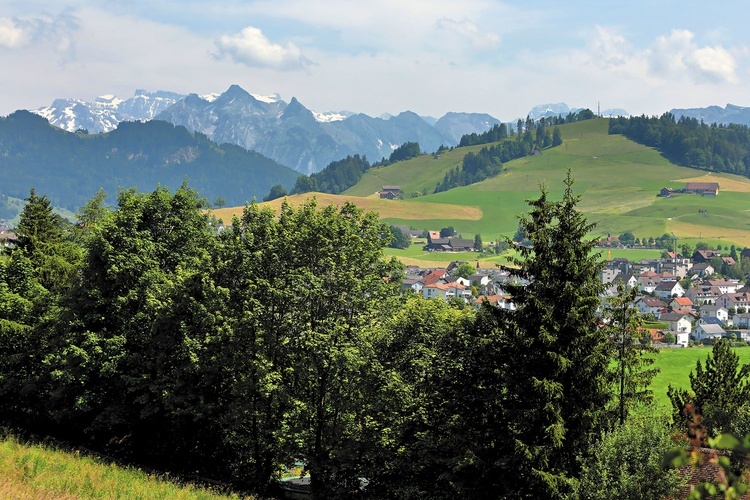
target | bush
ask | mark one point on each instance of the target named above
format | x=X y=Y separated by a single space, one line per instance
x=627 y=462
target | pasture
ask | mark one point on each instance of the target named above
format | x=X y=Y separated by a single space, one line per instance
x=676 y=365
x=617 y=180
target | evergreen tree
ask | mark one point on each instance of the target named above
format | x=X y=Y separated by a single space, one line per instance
x=719 y=392
x=555 y=401
x=632 y=375
x=478 y=245
x=556 y=137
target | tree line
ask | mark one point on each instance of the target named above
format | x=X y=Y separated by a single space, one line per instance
x=498 y=132
x=488 y=162
x=338 y=176
x=689 y=142
x=141 y=332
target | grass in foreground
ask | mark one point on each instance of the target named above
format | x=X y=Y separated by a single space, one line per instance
x=35 y=471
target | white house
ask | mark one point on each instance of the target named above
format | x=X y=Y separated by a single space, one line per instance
x=683 y=339
x=445 y=291
x=708 y=331
x=730 y=300
x=711 y=311
x=649 y=305
x=741 y=320
x=414 y=284
x=669 y=289
x=679 y=323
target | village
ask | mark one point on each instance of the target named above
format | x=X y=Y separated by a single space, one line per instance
x=682 y=300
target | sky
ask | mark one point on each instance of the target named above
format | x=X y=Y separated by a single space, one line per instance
x=383 y=56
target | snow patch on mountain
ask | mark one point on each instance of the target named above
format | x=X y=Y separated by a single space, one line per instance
x=106 y=111
x=270 y=99
x=331 y=116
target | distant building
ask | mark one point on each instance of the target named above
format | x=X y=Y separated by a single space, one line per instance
x=702 y=188
x=390 y=192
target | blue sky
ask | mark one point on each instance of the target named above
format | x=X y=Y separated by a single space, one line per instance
x=383 y=56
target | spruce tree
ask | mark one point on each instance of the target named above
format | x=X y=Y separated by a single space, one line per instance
x=556 y=383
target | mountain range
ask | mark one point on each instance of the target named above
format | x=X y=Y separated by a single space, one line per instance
x=716 y=114
x=289 y=133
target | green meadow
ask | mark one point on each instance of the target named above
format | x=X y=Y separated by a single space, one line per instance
x=676 y=365
x=618 y=181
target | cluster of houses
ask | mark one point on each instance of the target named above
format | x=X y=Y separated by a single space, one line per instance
x=443 y=283
x=708 y=309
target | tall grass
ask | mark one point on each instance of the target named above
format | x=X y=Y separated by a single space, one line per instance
x=43 y=472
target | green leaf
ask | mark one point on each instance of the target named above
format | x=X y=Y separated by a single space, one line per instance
x=676 y=458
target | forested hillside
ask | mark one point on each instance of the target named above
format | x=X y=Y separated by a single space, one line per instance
x=689 y=142
x=70 y=167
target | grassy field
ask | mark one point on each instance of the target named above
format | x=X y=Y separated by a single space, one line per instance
x=34 y=471
x=388 y=209
x=676 y=365
x=618 y=181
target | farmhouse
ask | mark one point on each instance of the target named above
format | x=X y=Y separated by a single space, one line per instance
x=702 y=188
x=390 y=192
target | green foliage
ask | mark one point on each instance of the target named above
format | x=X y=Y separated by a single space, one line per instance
x=399 y=238
x=688 y=142
x=447 y=232
x=304 y=184
x=335 y=178
x=277 y=191
x=69 y=167
x=556 y=137
x=627 y=462
x=478 y=167
x=404 y=152
x=424 y=423
x=465 y=270
x=632 y=373
x=494 y=134
x=478 y=245
x=556 y=401
x=720 y=392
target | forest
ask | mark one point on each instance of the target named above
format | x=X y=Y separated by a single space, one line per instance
x=144 y=332
x=690 y=143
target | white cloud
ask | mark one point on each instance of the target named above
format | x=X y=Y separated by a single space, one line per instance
x=609 y=49
x=713 y=64
x=251 y=47
x=11 y=36
x=677 y=55
x=55 y=32
x=470 y=31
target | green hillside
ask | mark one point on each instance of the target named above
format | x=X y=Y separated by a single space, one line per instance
x=617 y=179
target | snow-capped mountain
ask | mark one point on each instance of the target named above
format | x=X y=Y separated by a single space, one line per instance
x=308 y=140
x=289 y=133
x=548 y=110
x=105 y=112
